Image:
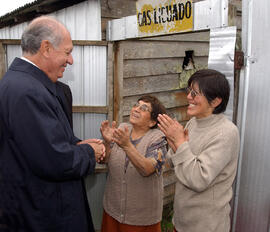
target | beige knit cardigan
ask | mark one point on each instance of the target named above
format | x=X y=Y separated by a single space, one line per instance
x=129 y=197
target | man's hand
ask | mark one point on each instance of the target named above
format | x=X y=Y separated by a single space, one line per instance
x=98 y=146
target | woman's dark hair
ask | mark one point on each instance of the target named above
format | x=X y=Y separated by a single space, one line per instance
x=156 y=105
x=212 y=84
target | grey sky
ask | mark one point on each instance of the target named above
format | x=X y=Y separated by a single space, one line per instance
x=11 y=5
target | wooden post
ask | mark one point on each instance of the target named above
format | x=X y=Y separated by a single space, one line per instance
x=232 y=15
x=2 y=60
x=118 y=83
x=110 y=70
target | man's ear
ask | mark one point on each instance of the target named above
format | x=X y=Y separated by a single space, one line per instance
x=216 y=102
x=45 y=48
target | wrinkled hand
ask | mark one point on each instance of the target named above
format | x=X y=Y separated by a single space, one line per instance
x=99 y=151
x=87 y=141
x=121 y=137
x=98 y=146
x=173 y=130
x=107 y=131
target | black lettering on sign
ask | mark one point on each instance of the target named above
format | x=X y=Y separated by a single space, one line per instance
x=149 y=17
x=175 y=13
x=188 y=9
x=162 y=14
x=169 y=13
x=155 y=16
x=144 y=21
x=181 y=9
x=159 y=17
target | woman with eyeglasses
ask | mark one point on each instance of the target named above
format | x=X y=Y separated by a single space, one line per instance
x=133 y=198
x=204 y=155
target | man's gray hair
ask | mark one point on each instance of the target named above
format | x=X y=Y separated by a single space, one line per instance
x=44 y=29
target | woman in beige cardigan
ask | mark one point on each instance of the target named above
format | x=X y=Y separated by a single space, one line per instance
x=204 y=155
x=135 y=153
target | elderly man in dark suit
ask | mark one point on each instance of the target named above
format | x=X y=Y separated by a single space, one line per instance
x=42 y=163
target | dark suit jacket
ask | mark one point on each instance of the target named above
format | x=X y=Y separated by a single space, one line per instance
x=41 y=167
x=65 y=97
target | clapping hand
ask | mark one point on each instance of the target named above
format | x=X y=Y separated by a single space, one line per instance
x=122 y=137
x=173 y=130
x=107 y=131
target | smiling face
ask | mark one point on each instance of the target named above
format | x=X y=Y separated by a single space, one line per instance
x=60 y=57
x=198 y=106
x=140 y=115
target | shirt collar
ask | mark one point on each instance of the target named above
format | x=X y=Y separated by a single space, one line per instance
x=29 y=61
x=25 y=65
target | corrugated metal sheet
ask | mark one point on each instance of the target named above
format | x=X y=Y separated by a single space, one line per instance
x=87 y=76
x=210 y=14
x=253 y=185
x=12 y=52
x=221 y=57
x=82 y=20
x=87 y=125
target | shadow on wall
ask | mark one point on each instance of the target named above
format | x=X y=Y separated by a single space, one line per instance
x=95 y=185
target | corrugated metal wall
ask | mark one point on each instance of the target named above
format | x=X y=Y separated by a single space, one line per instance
x=83 y=21
x=87 y=80
x=253 y=185
x=221 y=58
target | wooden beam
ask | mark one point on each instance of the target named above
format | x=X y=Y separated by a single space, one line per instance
x=232 y=15
x=90 y=109
x=10 y=41
x=110 y=65
x=89 y=43
x=3 y=64
x=100 y=168
x=118 y=83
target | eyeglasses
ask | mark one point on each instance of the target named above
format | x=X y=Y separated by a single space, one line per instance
x=192 y=92
x=142 y=107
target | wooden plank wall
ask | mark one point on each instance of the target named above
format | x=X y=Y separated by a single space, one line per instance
x=152 y=66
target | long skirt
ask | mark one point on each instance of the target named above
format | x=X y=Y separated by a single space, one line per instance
x=109 y=224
